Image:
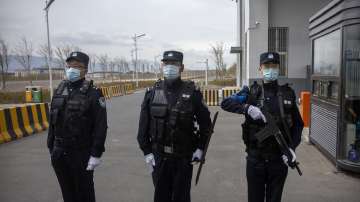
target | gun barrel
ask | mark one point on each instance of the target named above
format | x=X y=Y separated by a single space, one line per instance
x=206 y=148
x=298 y=169
x=271 y=128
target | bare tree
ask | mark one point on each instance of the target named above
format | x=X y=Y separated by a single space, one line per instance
x=43 y=52
x=217 y=52
x=63 y=51
x=23 y=55
x=112 y=69
x=92 y=62
x=121 y=65
x=61 y=54
x=126 y=67
x=4 y=62
x=103 y=62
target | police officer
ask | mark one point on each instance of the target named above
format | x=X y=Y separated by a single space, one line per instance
x=267 y=168
x=167 y=134
x=77 y=131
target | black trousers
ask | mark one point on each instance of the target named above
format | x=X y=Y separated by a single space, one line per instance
x=172 y=179
x=75 y=181
x=266 y=179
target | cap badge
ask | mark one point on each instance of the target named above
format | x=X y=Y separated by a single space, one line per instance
x=74 y=54
x=271 y=56
x=185 y=95
x=170 y=54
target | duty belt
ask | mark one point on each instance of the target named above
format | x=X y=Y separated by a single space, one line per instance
x=71 y=142
x=264 y=156
x=169 y=151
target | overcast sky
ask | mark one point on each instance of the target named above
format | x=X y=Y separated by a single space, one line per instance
x=106 y=26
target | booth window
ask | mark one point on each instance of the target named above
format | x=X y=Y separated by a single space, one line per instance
x=278 y=42
x=352 y=93
x=327 y=52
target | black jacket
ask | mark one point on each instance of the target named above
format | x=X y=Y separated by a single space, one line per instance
x=202 y=116
x=95 y=114
x=232 y=105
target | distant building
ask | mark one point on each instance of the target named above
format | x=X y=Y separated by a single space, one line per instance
x=58 y=72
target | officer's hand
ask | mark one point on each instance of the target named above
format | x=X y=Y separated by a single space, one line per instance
x=255 y=113
x=150 y=161
x=197 y=155
x=93 y=163
x=293 y=158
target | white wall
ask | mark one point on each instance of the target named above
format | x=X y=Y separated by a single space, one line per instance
x=257 y=35
x=295 y=14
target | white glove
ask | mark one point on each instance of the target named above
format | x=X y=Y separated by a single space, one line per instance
x=150 y=161
x=285 y=158
x=197 y=155
x=255 y=113
x=93 y=163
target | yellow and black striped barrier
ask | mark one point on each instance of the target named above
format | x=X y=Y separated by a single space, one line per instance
x=129 y=88
x=213 y=97
x=18 y=122
x=228 y=92
x=118 y=90
x=106 y=92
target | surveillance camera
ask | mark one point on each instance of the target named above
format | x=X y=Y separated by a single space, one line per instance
x=257 y=22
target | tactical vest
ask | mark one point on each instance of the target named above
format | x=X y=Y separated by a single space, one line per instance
x=257 y=97
x=68 y=115
x=172 y=125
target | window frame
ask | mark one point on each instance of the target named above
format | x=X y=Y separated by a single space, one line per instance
x=284 y=70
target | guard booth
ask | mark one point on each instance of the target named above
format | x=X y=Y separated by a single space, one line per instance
x=335 y=99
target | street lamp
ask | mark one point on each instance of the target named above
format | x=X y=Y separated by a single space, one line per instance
x=46 y=9
x=132 y=61
x=206 y=62
x=135 y=37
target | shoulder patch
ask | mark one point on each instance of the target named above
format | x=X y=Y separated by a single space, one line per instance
x=157 y=83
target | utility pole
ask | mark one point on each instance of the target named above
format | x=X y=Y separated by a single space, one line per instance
x=156 y=67
x=136 y=56
x=206 y=72
x=46 y=9
x=206 y=62
x=133 y=63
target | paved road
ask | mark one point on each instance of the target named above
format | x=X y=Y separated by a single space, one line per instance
x=26 y=174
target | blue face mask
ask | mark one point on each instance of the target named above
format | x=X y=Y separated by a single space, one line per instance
x=171 y=72
x=270 y=74
x=72 y=74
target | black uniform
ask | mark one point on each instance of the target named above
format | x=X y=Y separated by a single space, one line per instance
x=266 y=172
x=167 y=130
x=77 y=130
